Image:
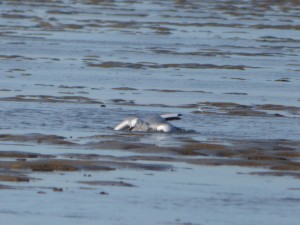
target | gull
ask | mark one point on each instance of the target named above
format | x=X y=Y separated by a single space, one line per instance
x=150 y=123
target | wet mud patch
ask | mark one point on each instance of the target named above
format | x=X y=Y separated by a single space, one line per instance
x=120 y=101
x=108 y=183
x=219 y=108
x=272 y=154
x=175 y=91
x=122 y=145
x=6 y=187
x=45 y=85
x=124 y=89
x=283 y=80
x=12 y=176
x=235 y=93
x=293 y=110
x=228 y=162
x=15 y=57
x=202 y=148
x=51 y=99
x=50 y=165
x=36 y=138
x=125 y=102
x=76 y=162
x=71 y=87
x=235 y=109
x=277 y=173
x=112 y=64
x=22 y=155
x=266 y=163
x=208 y=53
x=273 y=39
x=277 y=27
x=267 y=154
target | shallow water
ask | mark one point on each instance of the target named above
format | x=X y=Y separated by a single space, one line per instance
x=158 y=198
x=77 y=68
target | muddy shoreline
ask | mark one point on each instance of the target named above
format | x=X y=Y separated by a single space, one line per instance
x=281 y=156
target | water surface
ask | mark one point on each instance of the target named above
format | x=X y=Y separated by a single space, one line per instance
x=71 y=70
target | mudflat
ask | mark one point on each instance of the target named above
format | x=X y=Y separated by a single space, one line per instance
x=72 y=70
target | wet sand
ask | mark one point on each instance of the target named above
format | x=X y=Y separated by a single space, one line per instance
x=71 y=70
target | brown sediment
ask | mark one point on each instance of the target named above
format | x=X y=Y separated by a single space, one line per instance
x=114 y=136
x=132 y=103
x=235 y=93
x=71 y=87
x=253 y=154
x=66 y=92
x=227 y=162
x=45 y=85
x=47 y=165
x=8 y=175
x=14 y=178
x=108 y=183
x=113 y=64
x=124 y=89
x=277 y=154
x=291 y=109
x=237 y=78
x=289 y=166
x=123 y=101
x=235 y=109
x=210 y=52
x=25 y=155
x=173 y=90
x=288 y=154
x=51 y=99
x=272 y=39
x=50 y=166
x=230 y=108
x=278 y=27
x=277 y=173
x=129 y=24
x=245 y=112
x=120 y=145
x=283 y=80
x=19 y=57
x=37 y=138
x=224 y=108
x=56 y=189
x=223 y=104
x=73 y=26
x=6 y=187
x=17 y=16
x=265 y=157
x=200 y=148
x=162 y=30
x=189 y=152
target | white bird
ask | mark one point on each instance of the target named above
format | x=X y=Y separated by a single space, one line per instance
x=150 y=123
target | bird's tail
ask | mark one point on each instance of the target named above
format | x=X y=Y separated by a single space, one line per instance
x=171 y=116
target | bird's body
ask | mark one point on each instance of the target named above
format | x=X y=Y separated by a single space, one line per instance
x=150 y=123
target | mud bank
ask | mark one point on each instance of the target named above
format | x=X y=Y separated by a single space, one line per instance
x=273 y=154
